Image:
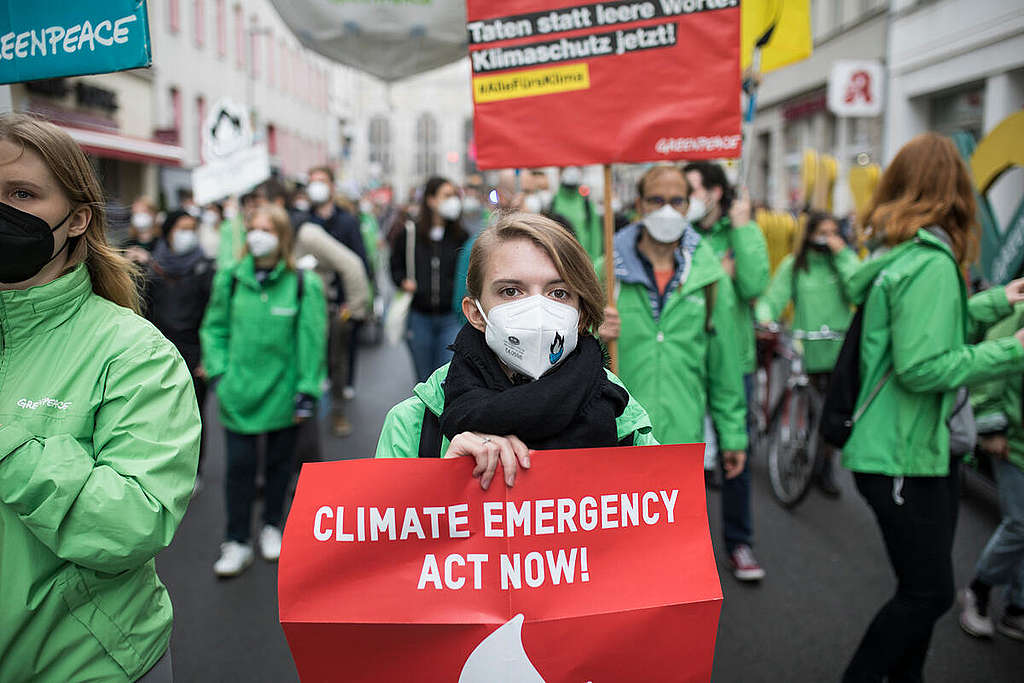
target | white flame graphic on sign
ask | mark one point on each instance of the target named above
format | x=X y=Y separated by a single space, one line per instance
x=501 y=657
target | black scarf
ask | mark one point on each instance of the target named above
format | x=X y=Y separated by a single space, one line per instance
x=172 y=265
x=572 y=406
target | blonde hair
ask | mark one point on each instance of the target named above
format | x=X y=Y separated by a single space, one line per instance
x=282 y=226
x=113 y=276
x=565 y=252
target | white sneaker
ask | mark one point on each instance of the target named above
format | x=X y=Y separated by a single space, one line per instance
x=234 y=558
x=972 y=621
x=270 y=543
x=348 y=393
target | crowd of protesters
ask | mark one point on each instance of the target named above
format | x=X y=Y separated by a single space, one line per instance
x=262 y=302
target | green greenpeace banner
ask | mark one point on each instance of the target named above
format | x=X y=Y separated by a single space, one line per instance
x=53 y=38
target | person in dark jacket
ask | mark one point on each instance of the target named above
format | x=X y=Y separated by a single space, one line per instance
x=177 y=289
x=439 y=236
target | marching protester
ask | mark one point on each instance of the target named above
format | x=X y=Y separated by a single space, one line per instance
x=177 y=290
x=528 y=277
x=263 y=348
x=99 y=431
x=999 y=411
x=724 y=221
x=343 y=226
x=144 y=231
x=815 y=280
x=914 y=354
x=675 y=322
x=438 y=237
x=580 y=212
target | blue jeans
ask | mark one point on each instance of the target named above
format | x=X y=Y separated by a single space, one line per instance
x=737 y=524
x=429 y=338
x=1002 y=561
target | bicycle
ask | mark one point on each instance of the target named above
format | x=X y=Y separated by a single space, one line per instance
x=790 y=432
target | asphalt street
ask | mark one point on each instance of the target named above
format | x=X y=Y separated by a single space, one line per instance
x=827 y=575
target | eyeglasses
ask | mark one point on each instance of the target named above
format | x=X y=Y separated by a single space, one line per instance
x=658 y=201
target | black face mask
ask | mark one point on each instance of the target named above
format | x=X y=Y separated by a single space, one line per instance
x=26 y=244
x=822 y=248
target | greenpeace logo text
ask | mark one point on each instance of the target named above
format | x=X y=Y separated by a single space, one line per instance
x=702 y=143
x=43 y=403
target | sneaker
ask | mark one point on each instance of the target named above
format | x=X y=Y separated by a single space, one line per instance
x=270 y=543
x=340 y=426
x=744 y=564
x=1012 y=626
x=973 y=620
x=234 y=559
x=348 y=393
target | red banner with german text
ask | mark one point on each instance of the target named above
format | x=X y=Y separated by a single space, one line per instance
x=596 y=566
x=558 y=83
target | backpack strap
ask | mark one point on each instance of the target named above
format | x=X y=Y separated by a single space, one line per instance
x=430 y=436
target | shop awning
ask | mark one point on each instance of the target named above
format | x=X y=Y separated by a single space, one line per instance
x=116 y=146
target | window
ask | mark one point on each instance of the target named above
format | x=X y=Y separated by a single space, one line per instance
x=271 y=76
x=380 y=143
x=176 y=110
x=426 y=145
x=199 y=21
x=222 y=29
x=200 y=118
x=272 y=139
x=173 y=15
x=254 y=47
x=239 y=38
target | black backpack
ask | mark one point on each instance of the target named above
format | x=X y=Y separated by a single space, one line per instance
x=840 y=412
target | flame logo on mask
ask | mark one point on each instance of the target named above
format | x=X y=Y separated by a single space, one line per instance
x=557 y=346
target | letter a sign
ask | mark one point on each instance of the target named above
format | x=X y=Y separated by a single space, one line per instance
x=855 y=88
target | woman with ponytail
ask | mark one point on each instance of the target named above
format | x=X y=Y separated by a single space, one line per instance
x=99 y=429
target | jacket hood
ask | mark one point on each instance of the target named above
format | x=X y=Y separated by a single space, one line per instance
x=865 y=276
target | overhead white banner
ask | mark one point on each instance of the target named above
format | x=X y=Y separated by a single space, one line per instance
x=390 y=39
x=238 y=173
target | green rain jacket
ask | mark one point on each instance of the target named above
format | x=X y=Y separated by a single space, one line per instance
x=917 y=322
x=98 y=451
x=264 y=345
x=669 y=361
x=821 y=301
x=400 y=436
x=753 y=268
x=568 y=202
x=997 y=403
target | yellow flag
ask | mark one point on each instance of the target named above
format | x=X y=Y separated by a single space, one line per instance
x=791 y=40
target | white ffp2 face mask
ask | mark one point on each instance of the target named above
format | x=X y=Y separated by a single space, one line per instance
x=261 y=243
x=184 y=241
x=450 y=209
x=665 y=225
x=318 y=192
x=697 y=210
x=532 y=335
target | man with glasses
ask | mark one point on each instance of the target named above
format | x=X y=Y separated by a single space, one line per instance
x=675 y=321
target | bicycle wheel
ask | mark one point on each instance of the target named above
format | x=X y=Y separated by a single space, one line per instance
x=759 y=418
x=792 y=447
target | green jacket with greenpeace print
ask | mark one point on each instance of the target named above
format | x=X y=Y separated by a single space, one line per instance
x=997 y=402
x=668 y=360
x=98 y=451
x=264 y=345
x=821 y=300
x=918 y=323
x=400 y=436
x=753 y=268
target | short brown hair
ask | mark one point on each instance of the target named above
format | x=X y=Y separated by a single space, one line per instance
x=655 y=171
x=568 y=256
x=323 y=169
x=282 y=226
x=926 y=184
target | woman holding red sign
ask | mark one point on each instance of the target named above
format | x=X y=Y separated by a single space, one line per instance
x=527 y=371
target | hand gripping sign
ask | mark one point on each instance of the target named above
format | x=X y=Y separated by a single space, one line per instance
x=596 y=566
x=573 y=83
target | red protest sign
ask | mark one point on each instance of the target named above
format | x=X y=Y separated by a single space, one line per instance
x=597 y=565
x=573 y=83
